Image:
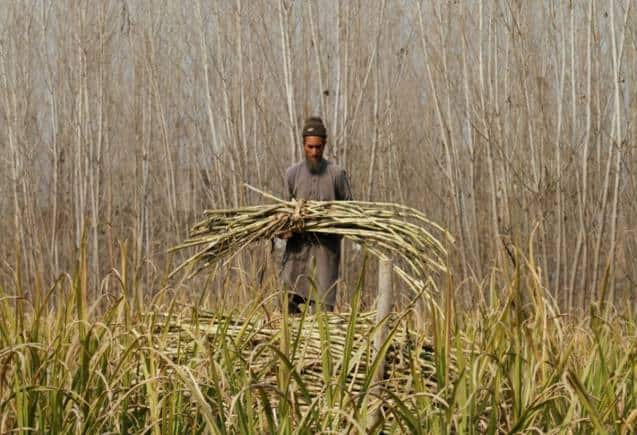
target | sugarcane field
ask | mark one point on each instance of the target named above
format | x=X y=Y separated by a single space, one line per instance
x=318 y=217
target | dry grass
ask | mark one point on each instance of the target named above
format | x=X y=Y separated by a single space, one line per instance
x=506 y=366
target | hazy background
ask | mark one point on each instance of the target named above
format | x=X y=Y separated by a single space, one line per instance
x=500 y=119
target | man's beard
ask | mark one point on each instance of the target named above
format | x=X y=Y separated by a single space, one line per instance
x=314 y=165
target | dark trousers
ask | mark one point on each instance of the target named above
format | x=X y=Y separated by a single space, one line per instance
x=295 y=302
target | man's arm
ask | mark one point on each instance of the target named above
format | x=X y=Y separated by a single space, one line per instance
x=343 y=191
x=288 y=193
x=288 y=184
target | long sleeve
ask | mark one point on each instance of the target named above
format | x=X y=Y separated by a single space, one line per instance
x=288 y=187
x=343 y=191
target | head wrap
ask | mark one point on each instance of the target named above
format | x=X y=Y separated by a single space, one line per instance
x=314 y=127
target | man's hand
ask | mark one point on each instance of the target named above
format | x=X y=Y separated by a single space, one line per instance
x=285 y=235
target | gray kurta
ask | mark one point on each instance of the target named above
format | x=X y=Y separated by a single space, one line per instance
x=307 y=255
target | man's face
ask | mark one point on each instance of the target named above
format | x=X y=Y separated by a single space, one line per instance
x=313 y=147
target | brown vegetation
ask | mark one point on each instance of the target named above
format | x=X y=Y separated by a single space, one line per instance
x=497 y=118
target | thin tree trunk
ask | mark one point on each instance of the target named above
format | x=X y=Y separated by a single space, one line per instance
x=558 y=163
x=582 y=239
x=337 y=86
x=203 y=50
x=287 y=76
x=234 y=153
x=473 y=240
x=617 y=55
x=453 y=168
x=376 y=106
x=55 y=180
x=316 y=43
x=344 y=143
x=485 y=92
x=243 y=135
x=96 y=157
x=10 y=104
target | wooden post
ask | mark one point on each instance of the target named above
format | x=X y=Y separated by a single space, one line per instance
x=383 y=308
x=385 y=299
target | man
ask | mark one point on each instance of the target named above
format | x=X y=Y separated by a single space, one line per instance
x=313 y=178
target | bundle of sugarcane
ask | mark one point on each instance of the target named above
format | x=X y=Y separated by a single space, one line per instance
x=385 y=229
